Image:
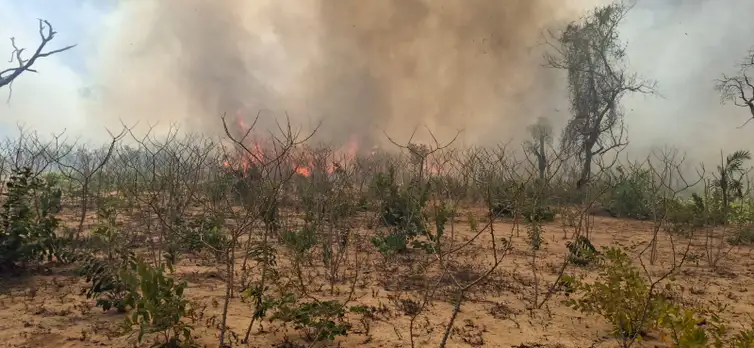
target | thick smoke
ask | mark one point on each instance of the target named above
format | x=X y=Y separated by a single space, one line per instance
x=360 y=68
x=685 y=45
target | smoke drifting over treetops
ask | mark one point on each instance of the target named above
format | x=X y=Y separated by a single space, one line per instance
x=362 y=67
x=359 y=67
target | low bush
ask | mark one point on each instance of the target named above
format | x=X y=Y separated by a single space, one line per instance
x=317 y=320
x=28 y=220
x=620 y=294
x=581 y=252
x=401 y=210
x=632 y=196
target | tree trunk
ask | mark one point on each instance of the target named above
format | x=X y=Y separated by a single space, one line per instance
x=542 y=157
x=586 y=169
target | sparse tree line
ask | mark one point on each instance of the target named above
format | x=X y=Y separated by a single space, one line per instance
x=297 y=247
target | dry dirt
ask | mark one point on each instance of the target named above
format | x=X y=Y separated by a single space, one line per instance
x=48 y=310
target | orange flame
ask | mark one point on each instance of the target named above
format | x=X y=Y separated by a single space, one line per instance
x=303 y=171
x=348 y=151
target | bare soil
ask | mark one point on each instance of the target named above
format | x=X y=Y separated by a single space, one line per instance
x=46 y=309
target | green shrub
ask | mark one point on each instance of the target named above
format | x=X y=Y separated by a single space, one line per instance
x=741 y=212
x=581 y=252
x=317 y=320
x=701 y=328
x=742 y=235
x=108 y=286
x=158 y=306
x=433 y=240
x=620 y=294
x=538 y=213
x=202 y=235
x=631 y=197
x=302 y=240
x=28 y=220
x=400 y=210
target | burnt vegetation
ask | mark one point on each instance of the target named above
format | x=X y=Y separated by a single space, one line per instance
x=269 y=240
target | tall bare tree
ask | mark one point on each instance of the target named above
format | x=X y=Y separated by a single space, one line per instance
x=46 y=33
x=591 y=51
x=738 y=89
x=541 y=138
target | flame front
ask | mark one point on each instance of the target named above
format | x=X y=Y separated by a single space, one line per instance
x=303 y=171
x=305 y=166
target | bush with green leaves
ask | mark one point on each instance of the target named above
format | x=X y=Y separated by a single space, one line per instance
x=156 y=301
x=741 y=219
x=401 y=210
x=685 y=212
x=28 y=220
x=432 y=243
x=316 y=320
x=202 y=234
x=104 y=258
x=302 y=240
x=701 y=328
x=620 y=294
x=503 y=198
x=742 y=235
x=158 y=306
x=581 y=252
x=631 y=195
x=107 y=278
x=538 y=213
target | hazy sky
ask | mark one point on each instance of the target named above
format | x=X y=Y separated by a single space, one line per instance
x=52 y=99
x=683 y=44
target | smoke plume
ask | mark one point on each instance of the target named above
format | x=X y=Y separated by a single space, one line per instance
x=360 y=68
x=364 y=67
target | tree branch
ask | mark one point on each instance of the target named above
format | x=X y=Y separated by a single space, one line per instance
x=46 y=33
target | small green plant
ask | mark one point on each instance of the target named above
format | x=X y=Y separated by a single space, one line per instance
x=502 y=199
x=302 y=240
x=158 y=306
x=631 y=196
x=28 y=220
x=701 y=328
x=742 y=235
x=367 y=314
x=432 y=244
x=106 y=277
x=401 y=211
x=683 y=327
x=534 y=234
x=620 y=294
x=202 y=235
x=390 y=243
x=317 y=320
x=539 y=213
x=581 y=252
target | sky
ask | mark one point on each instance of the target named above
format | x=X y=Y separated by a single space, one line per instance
x=682 y=44
x=60 y=88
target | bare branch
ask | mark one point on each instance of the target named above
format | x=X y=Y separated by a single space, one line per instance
x=738 y=89
x=46 y=33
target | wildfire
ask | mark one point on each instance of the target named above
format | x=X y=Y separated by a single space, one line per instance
x=304 y=169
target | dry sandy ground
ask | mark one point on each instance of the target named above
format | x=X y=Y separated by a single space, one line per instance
x=47 y=310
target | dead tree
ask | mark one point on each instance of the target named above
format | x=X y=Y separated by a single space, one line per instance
x=591 y=52
x=739 y=89
x=46 y=33
x=541 y=139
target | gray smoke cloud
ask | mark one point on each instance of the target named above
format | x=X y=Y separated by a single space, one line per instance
x=364 y=67
x=359 y=67
x=685 y=45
